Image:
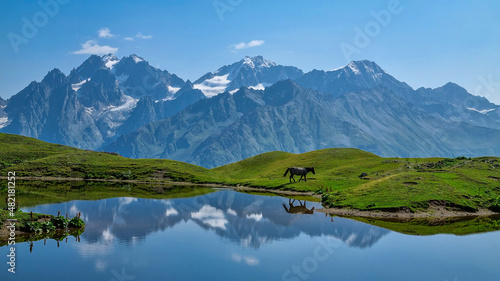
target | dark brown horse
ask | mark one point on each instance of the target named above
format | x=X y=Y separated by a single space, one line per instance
x=301 y=209
x=302 y=171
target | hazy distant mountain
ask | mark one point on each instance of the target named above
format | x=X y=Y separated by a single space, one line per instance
x=356 y=76
x=127 y=106
x=288 y=117
x=252 y=72
x=99 y=100
x=3 y=115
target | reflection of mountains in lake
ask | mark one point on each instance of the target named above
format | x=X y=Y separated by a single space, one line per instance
x=249 y=220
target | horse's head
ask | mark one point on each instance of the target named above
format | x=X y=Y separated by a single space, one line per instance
x=311 y=169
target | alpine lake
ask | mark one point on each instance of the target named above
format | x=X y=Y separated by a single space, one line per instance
x=189 y=233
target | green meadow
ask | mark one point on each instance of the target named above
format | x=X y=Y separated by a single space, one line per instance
x=390 y=183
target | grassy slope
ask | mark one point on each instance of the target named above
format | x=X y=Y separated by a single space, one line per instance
x=31 y=157
x=455 y=226
x=391 y=183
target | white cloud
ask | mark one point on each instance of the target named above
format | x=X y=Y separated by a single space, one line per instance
x=142 y=36
x=92 y=48
x=126 y=200
x=105 y=33
x=251 y=44
x=231 y=212
x=252 y=261
x=256 y=217
x=129 y=38
x=211 y=216
x=171 y=212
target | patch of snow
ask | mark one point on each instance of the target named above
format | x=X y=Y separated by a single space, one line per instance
x=4 y=121
x=173 y=90
x=137 y=59
x=266 y=63
x=248 y=61
x=263 y=63
x=233 y=91
x=484 y=111
x=214 y=86
x=260 y=86
x=231 y=212
x=77 y=86
x=354 y=68
x=89 y=110
x=165 y=99
x=110 y=64
x=110 y=61
x=129 y=104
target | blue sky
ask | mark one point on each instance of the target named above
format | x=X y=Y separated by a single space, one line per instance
x=423 y=43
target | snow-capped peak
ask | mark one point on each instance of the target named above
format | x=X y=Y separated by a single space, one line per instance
x=354 y=68
x=364 y=66
x=257 y=61
x=110 y=60
x=136 y=58
x=248 y=62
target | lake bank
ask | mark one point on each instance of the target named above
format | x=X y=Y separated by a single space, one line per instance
x=159 y=190
x=346 y=178
x=19 y=226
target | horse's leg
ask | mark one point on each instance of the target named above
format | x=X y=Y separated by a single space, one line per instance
x=305 y=177
x=284 y=206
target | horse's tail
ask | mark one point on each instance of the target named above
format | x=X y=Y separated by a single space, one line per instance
x=286 y=172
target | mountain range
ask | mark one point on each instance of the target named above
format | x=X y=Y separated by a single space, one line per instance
x=247 y=108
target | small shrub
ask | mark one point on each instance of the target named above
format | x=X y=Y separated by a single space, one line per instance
x=60 y=222
x=47 y=226
x=76 y=222
x=32 y=227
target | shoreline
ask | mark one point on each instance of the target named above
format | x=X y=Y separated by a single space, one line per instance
x=434 y=212
x=181 y=183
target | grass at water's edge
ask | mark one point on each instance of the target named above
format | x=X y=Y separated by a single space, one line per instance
x=34 y=226
x=422 y=226
x=387 y=183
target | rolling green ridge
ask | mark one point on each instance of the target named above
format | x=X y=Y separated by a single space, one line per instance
x=29 y=157
x=390 y=184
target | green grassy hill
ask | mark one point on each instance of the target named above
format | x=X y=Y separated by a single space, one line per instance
x=29 y=157
x=390 y=184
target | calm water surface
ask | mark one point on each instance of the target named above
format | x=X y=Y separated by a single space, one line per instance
x=227 y=235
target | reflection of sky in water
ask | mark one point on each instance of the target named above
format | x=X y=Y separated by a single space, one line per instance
x=233 y=236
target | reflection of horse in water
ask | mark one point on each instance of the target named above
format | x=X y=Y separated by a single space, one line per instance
x=299 y=171
x=301 y=209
